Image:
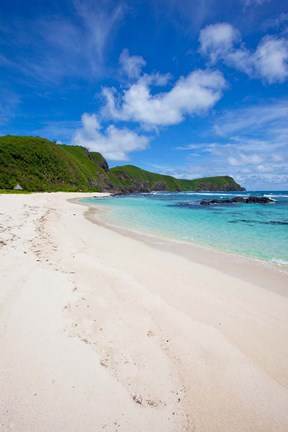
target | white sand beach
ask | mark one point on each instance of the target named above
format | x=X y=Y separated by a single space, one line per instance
x=100 y=331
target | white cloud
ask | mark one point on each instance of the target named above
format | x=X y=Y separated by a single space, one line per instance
x=260 y=120
x=271 y=59
x=239 y=160
x=131 y=65
x=277 y=22
x=252 y=147
x=254 y=2
x=99 y=21
x=113 y=143
x=217 y=40
x=268 y=62
x=62 y=44
x=244 y=159
x=193 y=94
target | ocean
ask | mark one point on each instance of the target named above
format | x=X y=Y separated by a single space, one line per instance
x=255 y=230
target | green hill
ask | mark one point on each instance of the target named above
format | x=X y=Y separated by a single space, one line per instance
x=38 y=164
x=132 y=179
x=41 y=165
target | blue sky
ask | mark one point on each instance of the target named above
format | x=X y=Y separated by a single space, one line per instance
x=187 y=88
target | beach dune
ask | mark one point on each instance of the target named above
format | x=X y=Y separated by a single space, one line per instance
x=104 y=331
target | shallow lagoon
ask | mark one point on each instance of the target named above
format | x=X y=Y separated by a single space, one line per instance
x=255 y=230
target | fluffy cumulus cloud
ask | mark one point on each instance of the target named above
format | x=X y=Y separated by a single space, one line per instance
x=131 y=65
x=113 y=143
x=218 y=40
x=190 y=95
x=193 y=94
x=269 y=61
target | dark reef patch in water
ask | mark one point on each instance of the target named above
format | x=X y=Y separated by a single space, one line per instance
x=251 y=221
x=190 y=205
x=238 y=200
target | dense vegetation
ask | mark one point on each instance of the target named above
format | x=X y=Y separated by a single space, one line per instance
x=132 y=179
x=41 y=165
x=38 y=164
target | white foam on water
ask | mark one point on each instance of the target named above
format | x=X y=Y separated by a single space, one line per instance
x=279 y=261
x=275 y=196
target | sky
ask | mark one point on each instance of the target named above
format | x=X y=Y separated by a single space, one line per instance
x=189 y=88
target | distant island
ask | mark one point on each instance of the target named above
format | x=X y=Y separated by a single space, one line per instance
x=37 y=164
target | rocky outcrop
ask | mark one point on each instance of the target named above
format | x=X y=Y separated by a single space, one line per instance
x=249 y=200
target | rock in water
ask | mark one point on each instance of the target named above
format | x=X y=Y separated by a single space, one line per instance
x=249 y=200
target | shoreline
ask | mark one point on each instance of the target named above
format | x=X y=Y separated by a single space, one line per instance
x=280 y=264
x=100 y=331
x=264 y=273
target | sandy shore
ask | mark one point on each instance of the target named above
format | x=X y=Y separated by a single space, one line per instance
x=103 y=332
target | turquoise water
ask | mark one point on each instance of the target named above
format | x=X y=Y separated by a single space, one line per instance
x=256 y=230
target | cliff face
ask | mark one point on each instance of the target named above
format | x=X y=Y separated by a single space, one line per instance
x=37 y=164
